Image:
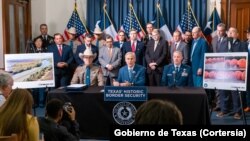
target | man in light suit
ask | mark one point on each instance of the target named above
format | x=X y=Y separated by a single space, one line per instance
x=220 y=41
x=180 y=46
x=110 y=60
x=132 y=74
x=155 y=56
x=88 y=73
x=135 y=46
x=177 y=74
x=198 y=50
x=63 y=56
x=87 y=45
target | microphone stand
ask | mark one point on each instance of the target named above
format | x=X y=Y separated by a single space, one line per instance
x=174 y=79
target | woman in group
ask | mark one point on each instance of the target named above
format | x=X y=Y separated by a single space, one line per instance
x=38 y=93
x=16 y=116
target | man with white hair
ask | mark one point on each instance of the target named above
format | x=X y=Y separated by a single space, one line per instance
x=6 y=83
x=198 y=50
x=132 y=74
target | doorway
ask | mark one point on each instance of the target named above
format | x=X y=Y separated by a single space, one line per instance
x=16 y=25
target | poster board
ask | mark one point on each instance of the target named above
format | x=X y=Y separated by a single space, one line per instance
x=225 y=71
x=34 y=70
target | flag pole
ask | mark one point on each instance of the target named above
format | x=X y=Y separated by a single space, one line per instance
x=131 y=6
x=104 y=18
x=214 y=15
x=105 y=11
x=157 y=16
x=189 y=5
x=130 y=20
x=80 y=17
x=159 y=8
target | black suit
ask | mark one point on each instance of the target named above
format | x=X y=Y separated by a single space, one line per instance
x=49 y=40
x=62 y=75
x=139 y=52
x=157 y=55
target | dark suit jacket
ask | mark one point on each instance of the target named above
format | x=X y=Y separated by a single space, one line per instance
x=81 y=49
x=67 y=56
x=138 y=77
x=47 y=42
x=117 y=44
x=183 y=77
x=237 y=46
x=139 y=52
x=158 y=56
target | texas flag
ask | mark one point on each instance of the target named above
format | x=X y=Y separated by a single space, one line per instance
x=211 y=27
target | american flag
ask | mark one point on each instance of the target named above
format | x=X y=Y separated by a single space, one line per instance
x=76 y=22
x=187 y=22
x=131 y=22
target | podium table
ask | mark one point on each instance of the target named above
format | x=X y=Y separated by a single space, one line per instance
x=95 y=115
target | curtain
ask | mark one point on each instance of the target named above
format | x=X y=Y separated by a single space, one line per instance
x=145 y=11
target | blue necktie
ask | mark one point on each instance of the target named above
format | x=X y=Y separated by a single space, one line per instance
x=130 y=74
x=71 y=44
x=87 y=79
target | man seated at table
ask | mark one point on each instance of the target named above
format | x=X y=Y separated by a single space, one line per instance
x=132 y=74
x=88 y=73
x=177 y=74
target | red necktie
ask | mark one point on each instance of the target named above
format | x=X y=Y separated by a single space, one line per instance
x=60 y=49
x=133 y=47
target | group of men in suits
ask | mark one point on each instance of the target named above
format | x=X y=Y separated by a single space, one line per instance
x=152 y=54
x=228 y=43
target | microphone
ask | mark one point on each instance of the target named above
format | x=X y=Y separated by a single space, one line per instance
x=174 y=78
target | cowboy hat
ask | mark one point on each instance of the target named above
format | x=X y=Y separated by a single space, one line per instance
x=87 y=52
x=97 y=30
x=72 y=30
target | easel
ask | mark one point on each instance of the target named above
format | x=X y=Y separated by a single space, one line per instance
x=242 y=109
x=45 y=95
x=211 y=98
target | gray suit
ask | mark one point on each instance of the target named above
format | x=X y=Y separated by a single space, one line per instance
x=221 y=46
x=182 y=47
x=114 y=60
